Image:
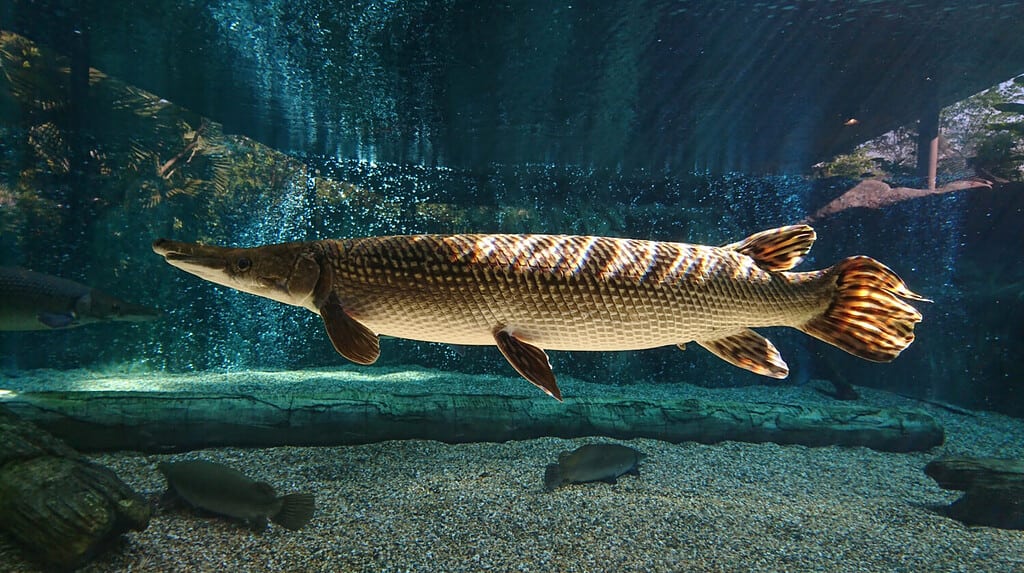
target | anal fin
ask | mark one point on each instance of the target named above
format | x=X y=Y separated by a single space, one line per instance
x=750 y=351
x=529 y=361
x=350 y=338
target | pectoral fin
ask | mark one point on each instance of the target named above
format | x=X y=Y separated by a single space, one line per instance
x=350 y=338
x=529 y=361
x=751 y=351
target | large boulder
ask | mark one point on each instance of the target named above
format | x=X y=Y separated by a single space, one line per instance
x=59 y=507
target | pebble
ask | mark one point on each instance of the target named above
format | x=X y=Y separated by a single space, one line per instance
x=428 y=506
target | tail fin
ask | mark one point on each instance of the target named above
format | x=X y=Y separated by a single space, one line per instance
x=552 y=477
x=867 y=317
x=296 y=510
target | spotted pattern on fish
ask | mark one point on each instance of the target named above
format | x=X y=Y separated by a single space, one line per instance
x=531 y=293
x=561 y=292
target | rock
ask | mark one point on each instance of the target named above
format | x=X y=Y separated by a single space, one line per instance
x=20 y=440
x=59 y=507
x=166 y=421
x=993 y=490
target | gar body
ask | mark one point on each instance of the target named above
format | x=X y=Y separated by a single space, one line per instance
x=531 y=293
x=31 y=300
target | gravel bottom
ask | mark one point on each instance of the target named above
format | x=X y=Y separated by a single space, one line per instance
x=428 y=506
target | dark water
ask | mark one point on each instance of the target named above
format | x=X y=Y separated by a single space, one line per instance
x=696 y=122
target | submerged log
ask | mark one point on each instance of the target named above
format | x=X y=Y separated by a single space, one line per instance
x=167 y=421
x=59 y=507
x=875 y=194
x=993 y=490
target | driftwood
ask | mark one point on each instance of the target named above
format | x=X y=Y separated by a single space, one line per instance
x=875 y=194
x=59 y=507
x=993 y=489
x=166 y=421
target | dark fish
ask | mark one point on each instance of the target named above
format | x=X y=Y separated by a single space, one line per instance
x=592 y=462
x=36 y=301
x=220 y=489
x=842 y=390
x=527 y=294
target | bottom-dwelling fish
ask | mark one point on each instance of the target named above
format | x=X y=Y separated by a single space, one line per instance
x=531 y=293
x=37 y=301
x=225 y=491
x=592 y=462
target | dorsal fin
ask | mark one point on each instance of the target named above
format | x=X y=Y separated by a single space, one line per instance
x=265 y=488
x=777 y=249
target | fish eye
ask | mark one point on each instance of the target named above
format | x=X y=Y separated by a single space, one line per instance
x=244 y=264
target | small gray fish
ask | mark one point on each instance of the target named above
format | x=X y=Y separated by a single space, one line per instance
x=220 y=489
x=592 y=462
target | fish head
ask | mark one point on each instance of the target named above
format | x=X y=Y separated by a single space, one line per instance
x=97 y=306
x=287 y=272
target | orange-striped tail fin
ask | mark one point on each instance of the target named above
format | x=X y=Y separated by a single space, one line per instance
x=867 y=317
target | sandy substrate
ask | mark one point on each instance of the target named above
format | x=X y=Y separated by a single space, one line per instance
x=428 y=506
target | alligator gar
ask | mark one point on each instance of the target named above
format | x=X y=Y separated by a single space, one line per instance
x=528 y=293
x=37 y=301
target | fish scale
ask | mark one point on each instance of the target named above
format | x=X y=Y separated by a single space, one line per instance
x=403 y=285
x=529 y=293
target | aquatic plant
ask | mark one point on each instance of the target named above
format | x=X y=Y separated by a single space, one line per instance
x=853 y=165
